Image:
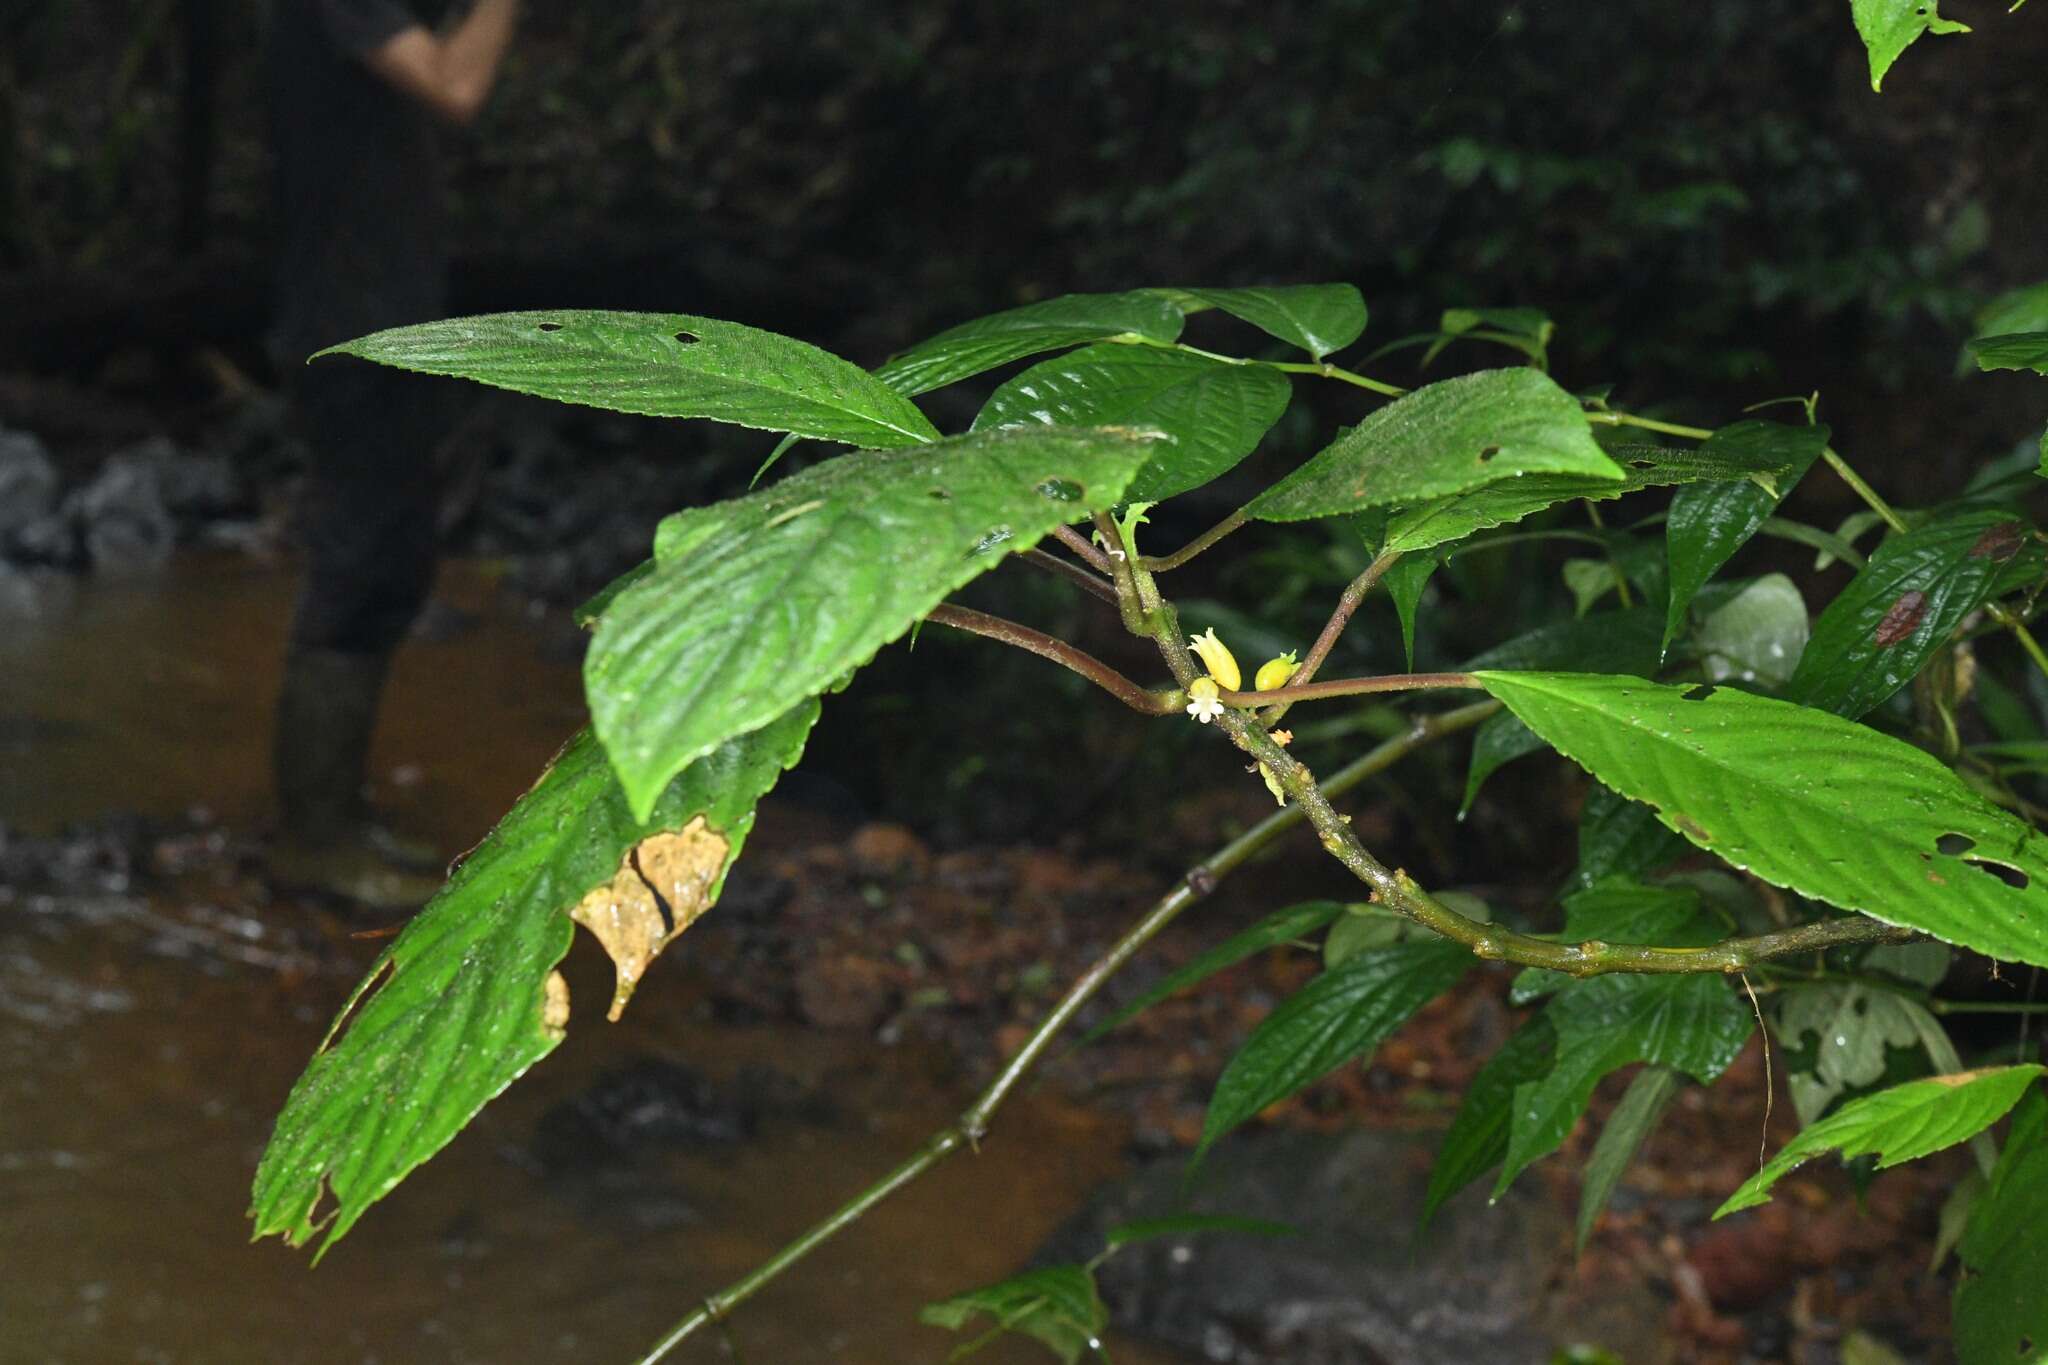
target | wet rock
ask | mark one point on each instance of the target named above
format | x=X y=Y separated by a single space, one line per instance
x=647 y=1103
x=28 y=484
x=125 y=523
x=845 y=991
x=882 y=850
x=51 y=540
x=1352 y=1289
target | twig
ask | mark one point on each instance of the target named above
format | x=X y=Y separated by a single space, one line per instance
x=1083 y=551
x=1072 y=572
x=1282 y=697
x=1347 y=603
x=1060 y=652
x=967 y=1131
x=1197 y=545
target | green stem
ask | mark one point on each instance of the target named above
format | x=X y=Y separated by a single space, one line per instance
x=1074 y=573
x=1611 y=418
x=1325 y=370
x=1997 y=612
x=1347 y=602
x=1058 y=651
x=1282 y=697
x=1199 y=882
x=1863 y=490
x=1197 y=545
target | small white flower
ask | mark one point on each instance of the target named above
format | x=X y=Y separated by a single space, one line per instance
x=1203 y=703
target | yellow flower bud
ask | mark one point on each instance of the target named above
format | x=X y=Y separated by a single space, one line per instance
x=1216 y=657
x=1275 y=672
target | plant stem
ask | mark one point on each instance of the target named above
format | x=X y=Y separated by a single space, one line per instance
x=1340 y=616
x=1072 y=572
x=1083 y=551
x=1997 y=612
x=1060 y=652
x=1611 y=418
x=1196 y=885
x=1326 y=370
x=1399 y=892
x=1283 y=697
x=1863 y=490
x=1197 y=545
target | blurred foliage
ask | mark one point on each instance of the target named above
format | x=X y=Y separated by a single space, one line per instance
x=1664 y=179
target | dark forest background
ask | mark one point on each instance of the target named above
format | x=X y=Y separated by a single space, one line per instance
x=1708 y=197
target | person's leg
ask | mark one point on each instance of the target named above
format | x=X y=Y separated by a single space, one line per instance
x=369 y=520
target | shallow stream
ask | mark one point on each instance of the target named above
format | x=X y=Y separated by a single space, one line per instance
x=148 y=1039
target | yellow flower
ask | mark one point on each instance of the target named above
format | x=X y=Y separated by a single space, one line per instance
x=1203 y=703
x=1216 y=657
x=1275 y=672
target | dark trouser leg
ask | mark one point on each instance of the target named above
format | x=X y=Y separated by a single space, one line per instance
x=369 y=522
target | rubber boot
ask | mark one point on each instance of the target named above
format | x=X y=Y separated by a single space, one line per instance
x=326 y=712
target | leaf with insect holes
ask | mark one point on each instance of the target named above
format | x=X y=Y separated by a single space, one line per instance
x=659 y=365
x=1903 y=606
x=467 y=997
x=1477 y=429
x=1889 y=27
x=1805 y=800
x=1444 y=520
x=1903 y=1123
x=756 y=603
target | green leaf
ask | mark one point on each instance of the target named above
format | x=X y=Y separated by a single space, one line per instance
x=1193 y=1225
x=1527 y=330
x=458 y=1007
x=1620 y=838
x=1902 y=607
x=1340 y=1015
x=1214 y=414
x=1805 y=800
x=1404 y=582
x=1319 y=318
x=1709 y=522
x=1455 y=435
x=1695 y=1024
x=2024 y=309
x=1290 y=925
x=2001 y=1315
x=1617 y=642
x=659 y=365
x=1852 y=1027
x=1756 y=636
x=1628 y=1127
x=1055 y=324
x=1889 y=27
x=2013 y=351
x=1478 y=1137
x=1642 y=466
x=1899 y=1124
x=759 y=602
x=1056 y=1306
x=587 y=614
